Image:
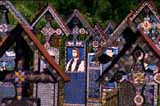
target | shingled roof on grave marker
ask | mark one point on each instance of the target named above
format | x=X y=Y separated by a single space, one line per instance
x=6 y=5
x=53 y=30
x=49 y=8
x=123 y=61
x=147 y=40
x=78 y=20
x=14 y=12
x=132 y=15
x=146 y=28
x=145 y=36
x=23 y=25
x=94 y=69
x=125 y=23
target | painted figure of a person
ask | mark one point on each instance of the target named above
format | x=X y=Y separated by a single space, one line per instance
x=75 y=64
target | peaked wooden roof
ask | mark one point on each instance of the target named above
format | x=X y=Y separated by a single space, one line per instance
x=150 y=42
x=132 y=15
x=146 y=39
x=17 y=15
x=49 y=8
x=129 y=19
x=9 y=40
x=85 y=24
x=43 y=51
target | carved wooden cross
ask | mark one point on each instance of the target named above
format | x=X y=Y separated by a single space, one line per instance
x=20 y=77
x=138 y=75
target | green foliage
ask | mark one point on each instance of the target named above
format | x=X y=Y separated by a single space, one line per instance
x=42 y=22
x=157 y=2
x=158 y=101
x=54 y=24
x=82 y=37
x=62 y=51
x=12 y=20
x=95 y=11
x=41 y=38
x=104 y=10
x=67 y=6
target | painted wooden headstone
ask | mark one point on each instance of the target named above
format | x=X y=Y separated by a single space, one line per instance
x=52 y=32
x=79 y=28
x=75 y=90
x=135 y=71
x=20 y=77
x=22 y=73
x=94 y=68
x=7 y=61
x=104 y=61
x=93 y=88
x=146 y=18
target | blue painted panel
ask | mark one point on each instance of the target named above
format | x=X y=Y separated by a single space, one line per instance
x=7 y=61
x=148 y=93
x=94 y=87
x=7 y=90
x=75 y=89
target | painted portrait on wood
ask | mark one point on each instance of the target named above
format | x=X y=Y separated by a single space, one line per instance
x=75 y=90
x=75 y=59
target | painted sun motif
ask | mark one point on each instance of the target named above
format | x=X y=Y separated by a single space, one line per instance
x=146 y=25
x=151 y=28
x=138 y=99
x=138 y=78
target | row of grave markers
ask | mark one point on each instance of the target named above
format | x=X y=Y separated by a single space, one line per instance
x=47 y=92
x=84 y=69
